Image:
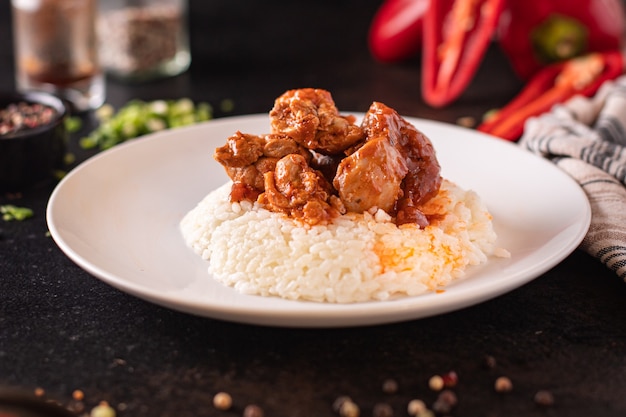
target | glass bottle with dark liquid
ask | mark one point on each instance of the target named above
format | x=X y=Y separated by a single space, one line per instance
x=56 y=50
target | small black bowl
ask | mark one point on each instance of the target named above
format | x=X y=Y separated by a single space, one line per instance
x=31 y=155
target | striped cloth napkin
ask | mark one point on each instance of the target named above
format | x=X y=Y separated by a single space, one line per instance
x=586 y=137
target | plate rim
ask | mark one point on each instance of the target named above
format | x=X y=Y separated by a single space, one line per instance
x=352 y=314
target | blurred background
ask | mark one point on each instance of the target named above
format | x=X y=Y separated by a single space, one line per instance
x=242 y=48
x=561 y=331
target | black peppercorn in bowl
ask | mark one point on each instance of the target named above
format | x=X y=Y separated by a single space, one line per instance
x=33 y=138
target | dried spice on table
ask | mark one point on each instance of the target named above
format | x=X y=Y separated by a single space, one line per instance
x=103 y=409
x=503 y=384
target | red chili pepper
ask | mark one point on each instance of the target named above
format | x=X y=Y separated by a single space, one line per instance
x=396 y=30
x=534 y=34
x=456 y=36
x=551 y=85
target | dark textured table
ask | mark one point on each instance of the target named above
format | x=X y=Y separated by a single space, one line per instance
x=63 y=330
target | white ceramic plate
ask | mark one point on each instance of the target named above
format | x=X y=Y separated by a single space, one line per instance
x=117 y=216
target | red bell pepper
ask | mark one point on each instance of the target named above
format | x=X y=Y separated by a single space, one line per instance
x=534 y=34
x=456 y=36
x=395 y=33
x=456 y=33
x=551 y=85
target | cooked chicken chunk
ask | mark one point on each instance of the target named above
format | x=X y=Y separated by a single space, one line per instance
x=296 y=189
x=241 y=149
x=423 y=178
x=316 y=163
x=371 y=176
x=310 y=117
x=247 y=157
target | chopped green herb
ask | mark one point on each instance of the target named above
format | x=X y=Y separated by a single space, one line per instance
x=69 y=158
x=73 y=124
x=59 y=174
x=138 y=118
x=227 y=105
x=106 y=111
x=10 y=212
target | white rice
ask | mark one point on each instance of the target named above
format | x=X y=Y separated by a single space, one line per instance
x=359 y=257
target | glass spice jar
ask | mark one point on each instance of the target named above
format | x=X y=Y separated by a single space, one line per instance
x=141 y=40
x=56 y=50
